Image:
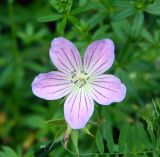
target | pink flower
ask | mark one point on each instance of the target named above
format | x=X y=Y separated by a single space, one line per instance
x=82 y=83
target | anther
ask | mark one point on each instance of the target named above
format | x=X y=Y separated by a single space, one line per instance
x=73 y=75
x=75 y=81
x=73 y=72
x=81 y=85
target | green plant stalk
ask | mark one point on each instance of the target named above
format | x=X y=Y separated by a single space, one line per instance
x=124 y=51
x=13 y=30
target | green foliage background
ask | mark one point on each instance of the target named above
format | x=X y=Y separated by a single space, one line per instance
x=128 y=129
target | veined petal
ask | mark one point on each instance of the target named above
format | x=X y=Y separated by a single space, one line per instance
x=51 y=85
x=78 y=108
x=106 y=89
x=99 y=56
x=65 y=55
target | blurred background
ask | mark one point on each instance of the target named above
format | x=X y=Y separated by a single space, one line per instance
x=130 y=128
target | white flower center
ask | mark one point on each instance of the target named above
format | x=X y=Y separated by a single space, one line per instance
x=79 y=78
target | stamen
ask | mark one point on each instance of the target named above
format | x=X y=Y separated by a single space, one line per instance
x=75 y=81
x=73 y=72
x=81 y=85
x=73 y=75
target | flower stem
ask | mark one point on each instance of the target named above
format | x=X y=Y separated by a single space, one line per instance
x=13 y=30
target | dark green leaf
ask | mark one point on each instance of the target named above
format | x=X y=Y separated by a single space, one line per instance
x=137 y=25
x=74 y=136
x=81 y=9
x=123 y=14
x=50 y=18
x=9 y=152
x=122 y=141
x=154 y=8
x=107 y=133
x=57 y=122
x=99 y=141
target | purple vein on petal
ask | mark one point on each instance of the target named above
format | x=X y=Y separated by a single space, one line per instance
x=63 y=64
x=96 y=62
x=100 y=66
x=90 y=58
x=35 y=84
x=74 y=58
x=104 y=87
x=72 y=105
x=85 y=95
x=60 y=90
x=79 y=103
x=68 y=59
x=106 y=82
x=54 y=85
x=99 y=93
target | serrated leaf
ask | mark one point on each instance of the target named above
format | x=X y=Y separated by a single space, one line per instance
x=50 y=18
x=99 y=142
x=137 y=25
x=123 y=14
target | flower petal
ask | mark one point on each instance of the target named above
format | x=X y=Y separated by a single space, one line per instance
x=78 y=109
x=99 y=56
x=65 y=55
x=51 y=85
x=106 y=89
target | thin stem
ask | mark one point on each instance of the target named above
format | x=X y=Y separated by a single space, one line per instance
x=13 y=30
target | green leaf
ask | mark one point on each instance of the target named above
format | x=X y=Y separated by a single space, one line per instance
x=137 y=25
x=57 y=121
x=9 y=152
x=81 y=9
x=35 y=66
x=123 y=14
x=154 y=8
x=122 y=141
x=121 y=29
x=74 y=136
x=147 y=35
x=34 y=121
x=44 y=151
x=99 y=141
x=107 y=133
x=82 y=2
x=5 y=74
x=122 y=3
x=62 y=25
x=101 y=31
x=50 y=18
x=85 y=130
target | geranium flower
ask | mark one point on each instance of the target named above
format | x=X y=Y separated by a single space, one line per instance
x=82 y=83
